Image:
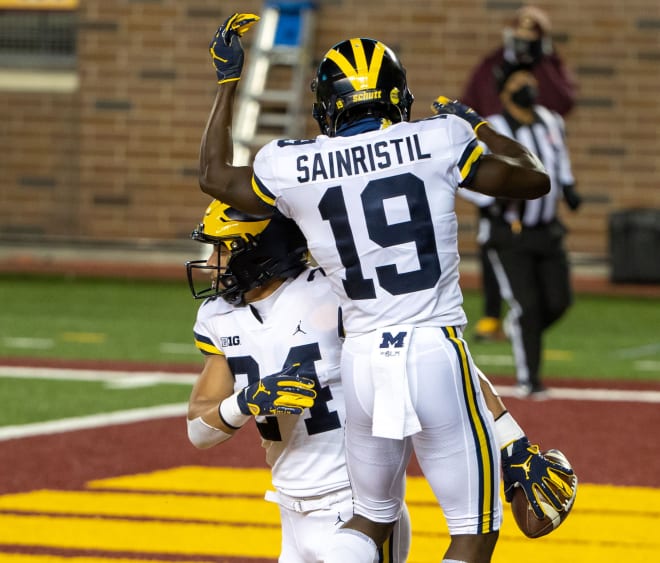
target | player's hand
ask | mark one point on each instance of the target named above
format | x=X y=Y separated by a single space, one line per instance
x=524 y=466
x=280 y=393
x=443 y=105
x=225 y=47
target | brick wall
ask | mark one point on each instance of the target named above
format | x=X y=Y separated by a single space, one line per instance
x=118 y=158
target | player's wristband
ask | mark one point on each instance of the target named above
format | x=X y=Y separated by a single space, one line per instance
x=230 y=414
x=507 y=430
x=203 y=435
x=476 y=127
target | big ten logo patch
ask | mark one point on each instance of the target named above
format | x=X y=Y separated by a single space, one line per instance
x=230 y=341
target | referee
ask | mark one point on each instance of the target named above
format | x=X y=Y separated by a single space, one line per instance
x=526 y=248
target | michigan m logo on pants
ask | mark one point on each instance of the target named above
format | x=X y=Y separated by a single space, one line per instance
x=390 y=341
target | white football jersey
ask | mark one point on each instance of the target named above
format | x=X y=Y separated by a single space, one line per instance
x=298 y=323
x=377 y=210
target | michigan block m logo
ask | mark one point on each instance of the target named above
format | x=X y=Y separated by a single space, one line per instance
x=390 y=341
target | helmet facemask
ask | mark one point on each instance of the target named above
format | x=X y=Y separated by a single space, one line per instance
x=231 y=281
x=260 y=250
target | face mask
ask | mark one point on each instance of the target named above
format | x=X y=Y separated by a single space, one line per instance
x=525 y=96
x=528 y=52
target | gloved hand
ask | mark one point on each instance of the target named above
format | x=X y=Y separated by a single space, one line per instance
x=524 y=466
x=443 y=105
x=225 y=47
x=573 y=199
x=280 y=393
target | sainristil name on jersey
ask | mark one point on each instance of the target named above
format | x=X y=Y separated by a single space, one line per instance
x=359 y=159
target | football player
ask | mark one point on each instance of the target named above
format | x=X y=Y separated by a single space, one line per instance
x=249 y=261
x=266 y=312
x=374 y=198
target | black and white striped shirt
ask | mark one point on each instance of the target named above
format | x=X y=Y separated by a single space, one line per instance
x=546 y=138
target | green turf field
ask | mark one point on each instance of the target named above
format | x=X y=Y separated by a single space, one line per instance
x=55 y=317
x=37 y=400
x=97 y=319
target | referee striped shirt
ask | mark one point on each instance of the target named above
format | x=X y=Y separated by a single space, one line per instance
x=546 y=138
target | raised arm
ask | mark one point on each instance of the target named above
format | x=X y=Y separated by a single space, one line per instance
x=217 y=175
x=511 y=170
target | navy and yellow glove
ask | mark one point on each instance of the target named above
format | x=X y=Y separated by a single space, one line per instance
x=523 y=465
x=443 y=106
x=225 y=47
x=280 y=393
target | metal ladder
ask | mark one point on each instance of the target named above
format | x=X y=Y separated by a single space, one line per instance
x=271 y=98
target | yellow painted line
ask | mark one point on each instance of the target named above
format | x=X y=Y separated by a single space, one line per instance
x=84 y=337
x=233 y=510
x=418 y=490
x=40 y=4
x=542 y=550
x=25 y=558
x=141 y=537
x=626 y=528
x=607 y=524
x=192 y=479
x=558 y=355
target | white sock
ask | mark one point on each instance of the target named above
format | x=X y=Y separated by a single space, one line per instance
x=452 y=561
x=350 y=546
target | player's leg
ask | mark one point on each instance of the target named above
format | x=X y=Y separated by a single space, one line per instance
x=376 y=465
x=489 y=326
x=456 y=449
x=516 y=270
x=291 y=524
x=306 y=526
x=377 y=472
x=554 y=277
x=396 y=548
x=471 y=548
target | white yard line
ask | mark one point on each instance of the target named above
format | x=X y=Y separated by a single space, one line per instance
x=27 y=343
x=590 y=394
x=92 y=421
x=131 y=378
x=639 y=351
x=114 y=376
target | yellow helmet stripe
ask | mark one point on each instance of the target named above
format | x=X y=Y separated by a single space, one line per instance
x=365 y=75
x=222 y=222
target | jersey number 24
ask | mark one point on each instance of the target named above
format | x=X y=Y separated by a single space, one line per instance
x=321 y=418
